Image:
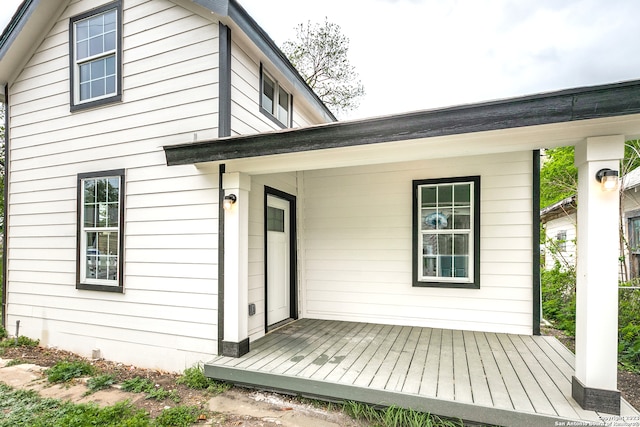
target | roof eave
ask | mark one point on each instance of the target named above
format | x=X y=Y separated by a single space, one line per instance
x=549 y=108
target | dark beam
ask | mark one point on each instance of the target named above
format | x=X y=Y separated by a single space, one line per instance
x=556 y=107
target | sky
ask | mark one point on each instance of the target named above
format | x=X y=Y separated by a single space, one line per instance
x=420 y=54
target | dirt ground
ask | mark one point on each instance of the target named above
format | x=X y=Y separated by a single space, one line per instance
x=237 y=407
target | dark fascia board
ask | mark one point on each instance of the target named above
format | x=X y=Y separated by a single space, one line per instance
x=13 y=27
x=569 y=105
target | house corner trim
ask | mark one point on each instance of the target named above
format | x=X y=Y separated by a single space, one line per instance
x=224 y=97
x=536 y=284
x=593 y=399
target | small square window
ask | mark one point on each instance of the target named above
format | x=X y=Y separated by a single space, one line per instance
x=275 y=102
x=95 y=49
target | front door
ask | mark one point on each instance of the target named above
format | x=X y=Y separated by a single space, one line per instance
x=280 y=291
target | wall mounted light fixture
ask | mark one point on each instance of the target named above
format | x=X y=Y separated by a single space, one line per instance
x=228 y=201
x=608 y=178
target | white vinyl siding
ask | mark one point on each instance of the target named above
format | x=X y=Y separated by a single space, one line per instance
x=245 y=94
x=169 y=304
x=357 y=229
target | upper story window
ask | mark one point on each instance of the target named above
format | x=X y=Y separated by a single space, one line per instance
x=95 y=52
x=561 y=240
x=275 y=101
x=447 y=232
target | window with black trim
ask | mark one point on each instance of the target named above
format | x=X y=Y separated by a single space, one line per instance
x=275 y=102
x=95 y=48
x=100 y=230
x=446 y=224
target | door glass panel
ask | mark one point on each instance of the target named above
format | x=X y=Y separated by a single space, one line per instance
x=275 y=219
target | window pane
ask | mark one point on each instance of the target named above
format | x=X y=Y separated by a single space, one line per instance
x=110 y=41
x=461 y=266
x=462 y=194
x=82 y=30
x=85 y=91
x=110 y=85
x=445 y=246
x=429 y=196
x=283 y=106
x=97 y=88
x=268 y=93
x=96 y=25
x=445 y=219
x=461 y=244
x=445 y=195
x=110 y=21
x=97 y=69
x=82 y=49
x=90 y=211
x=462 y=218
x=96 y=45
x=85 y=73
x=110 y=65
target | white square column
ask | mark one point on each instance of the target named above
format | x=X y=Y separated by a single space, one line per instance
x=235 y=342
x=594 y=385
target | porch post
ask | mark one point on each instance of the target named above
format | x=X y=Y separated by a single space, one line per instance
x=594 y=385
x=236 y=266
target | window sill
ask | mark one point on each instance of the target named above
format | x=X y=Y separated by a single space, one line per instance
x=418 y=284
x=272 y=118
x=102 y=288
x=96 y=103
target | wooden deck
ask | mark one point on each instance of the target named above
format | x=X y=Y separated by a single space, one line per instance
x=483 y=377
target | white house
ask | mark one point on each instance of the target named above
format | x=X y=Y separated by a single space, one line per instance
x=131 y=124
x=559 y=221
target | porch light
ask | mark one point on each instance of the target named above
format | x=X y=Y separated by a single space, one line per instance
x=228 y=201
x=608 y=179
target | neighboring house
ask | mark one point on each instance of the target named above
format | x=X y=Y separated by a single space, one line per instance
x=155 y=215
x=559 y=221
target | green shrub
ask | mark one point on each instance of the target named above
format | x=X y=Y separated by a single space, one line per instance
x=194 y=378
x=99 y=382
x=65 y=370
x=137 y=385
x=559 y=297
x=629 y=329
x=3 y=333
x=180 y=416
x=22 y=342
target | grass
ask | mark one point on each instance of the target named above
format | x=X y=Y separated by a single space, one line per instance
x=65 y=371
x=143 y=385
x=99 y=382
x=25 y=408
x=194 y=378
x=395 y=416
x=21 y=342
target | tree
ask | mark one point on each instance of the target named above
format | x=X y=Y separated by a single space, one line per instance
x=558 y=176
x=319 y=53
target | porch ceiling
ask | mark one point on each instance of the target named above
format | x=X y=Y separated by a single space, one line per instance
x=484 y=377
x=517 y=124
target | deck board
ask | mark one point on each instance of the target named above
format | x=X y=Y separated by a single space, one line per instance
x=418 y=362
x=477 y=372
x=479 y=376
x=461 y=375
